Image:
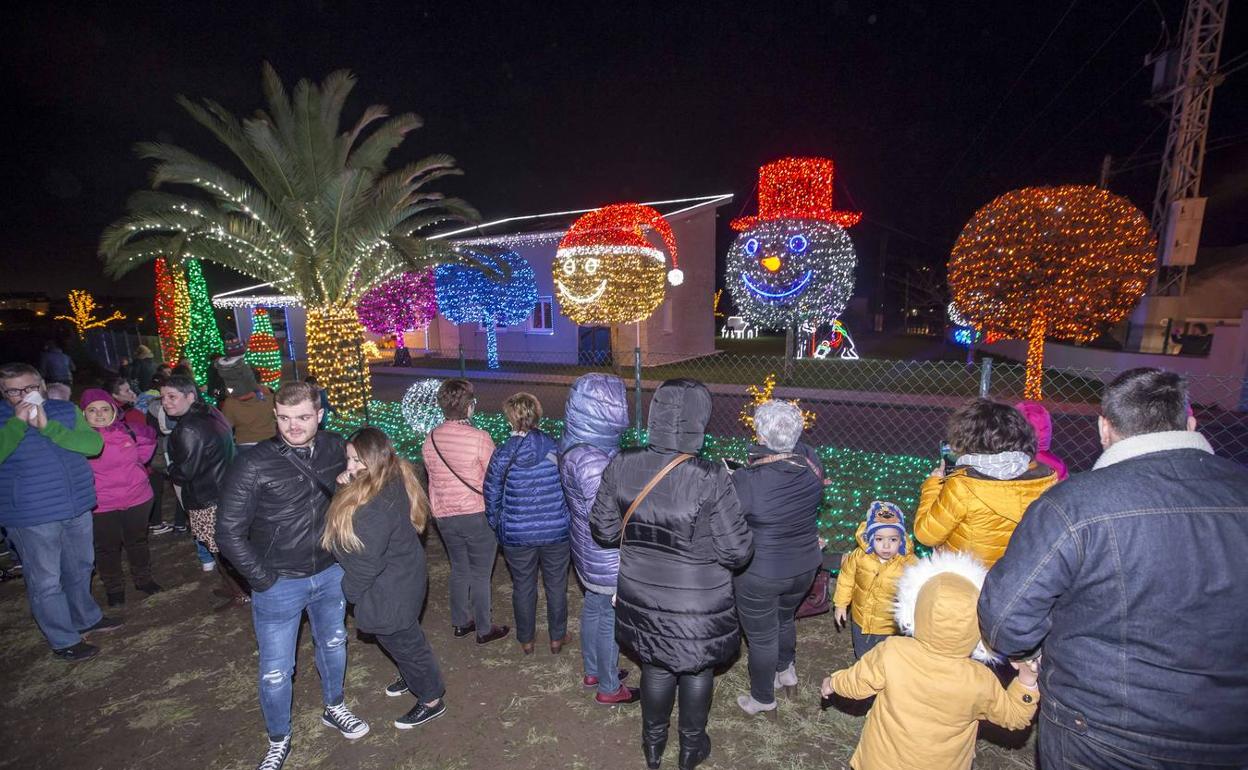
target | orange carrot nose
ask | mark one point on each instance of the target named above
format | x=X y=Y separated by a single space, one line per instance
x=771 y=263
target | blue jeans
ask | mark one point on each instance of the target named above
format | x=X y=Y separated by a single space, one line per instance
x=600 y=653
x=57 y=559
x=277 y=614
x=201 y=550
x=863 y=642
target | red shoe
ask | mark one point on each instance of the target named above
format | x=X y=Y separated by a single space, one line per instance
x=592 y=681
x=622 y=695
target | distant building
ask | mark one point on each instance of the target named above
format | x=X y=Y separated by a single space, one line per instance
x=36 y=302
x=682 y=327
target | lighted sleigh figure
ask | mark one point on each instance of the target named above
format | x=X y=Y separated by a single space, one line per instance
x=736 y=327
x=793 y=264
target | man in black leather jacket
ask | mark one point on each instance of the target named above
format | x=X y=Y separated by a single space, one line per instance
x=201 y=447
x=269 y=525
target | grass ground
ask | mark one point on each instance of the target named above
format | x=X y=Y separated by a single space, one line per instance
x=175 y=688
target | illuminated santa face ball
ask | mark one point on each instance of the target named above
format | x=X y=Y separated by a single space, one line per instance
x=786 y=271
x=793 y=263
x=607 y=270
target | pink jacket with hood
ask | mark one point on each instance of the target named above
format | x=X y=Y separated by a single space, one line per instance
x=467 y=450
x=120 y=470
x=1042 y=422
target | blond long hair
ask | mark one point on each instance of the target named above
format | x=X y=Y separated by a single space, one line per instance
x=381 y=466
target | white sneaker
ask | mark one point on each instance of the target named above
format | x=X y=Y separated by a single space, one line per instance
x=787 y=677
x=341 y=719
x=208 y=566
x=275 y=757
x=751 y=706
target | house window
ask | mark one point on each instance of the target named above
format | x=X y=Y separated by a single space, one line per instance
x=542 y=320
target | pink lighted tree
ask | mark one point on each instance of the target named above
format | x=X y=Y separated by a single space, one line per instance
x=401 y=304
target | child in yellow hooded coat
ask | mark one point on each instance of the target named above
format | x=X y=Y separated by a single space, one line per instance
x=930 y=693
x=867 y=581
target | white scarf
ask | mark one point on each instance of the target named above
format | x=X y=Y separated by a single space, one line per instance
x=1002 y=466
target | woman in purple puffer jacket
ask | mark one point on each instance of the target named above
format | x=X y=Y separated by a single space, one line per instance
x=594 y=418
x=123 y=496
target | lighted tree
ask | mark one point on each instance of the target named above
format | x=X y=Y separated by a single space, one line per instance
x=204 y=339
x=404 y=303
x=182 y=321
x=1061 y=262
x=82 y=309
x=166 y=308
x=467 y=296
x=262 y=351
x=310 y=206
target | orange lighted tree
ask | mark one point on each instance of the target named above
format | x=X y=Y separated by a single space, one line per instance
x=82 y=309
x=1062 y=262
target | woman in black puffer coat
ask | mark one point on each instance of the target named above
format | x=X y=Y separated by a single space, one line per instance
x=674 y=603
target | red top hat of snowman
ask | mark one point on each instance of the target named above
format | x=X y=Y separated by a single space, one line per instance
x=797 y=188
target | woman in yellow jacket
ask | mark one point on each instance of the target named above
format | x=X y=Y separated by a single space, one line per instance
x=930 y=694
x=867 y=580
x=975 y=506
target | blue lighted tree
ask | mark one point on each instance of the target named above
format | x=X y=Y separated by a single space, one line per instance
x=466 y=295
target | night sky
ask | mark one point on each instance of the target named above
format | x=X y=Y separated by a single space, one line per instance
x=921 y=105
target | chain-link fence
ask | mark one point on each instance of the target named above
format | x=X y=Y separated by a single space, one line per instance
x=869 y=405
x=877 y=424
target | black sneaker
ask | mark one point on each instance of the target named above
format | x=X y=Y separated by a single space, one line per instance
x=420 y=714
x=396 y=688
x=80 y=651
x=159 y=529
x=341 y=719
x=150 y=587
x=275 y=757
x=460 y=631
x=117 y=600
x=182 y=529
x=104 y=625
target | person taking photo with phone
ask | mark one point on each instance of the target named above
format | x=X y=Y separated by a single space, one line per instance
x=44 y=445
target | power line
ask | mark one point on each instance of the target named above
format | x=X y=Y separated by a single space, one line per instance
x=1086 y=117
x=983 y=126
x=1035 y=118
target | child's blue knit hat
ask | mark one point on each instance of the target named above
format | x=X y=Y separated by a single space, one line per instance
x=885 y=515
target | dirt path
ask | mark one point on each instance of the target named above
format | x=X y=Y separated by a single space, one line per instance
x=175 y=688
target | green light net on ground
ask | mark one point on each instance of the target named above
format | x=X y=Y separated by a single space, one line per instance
x=857 y=477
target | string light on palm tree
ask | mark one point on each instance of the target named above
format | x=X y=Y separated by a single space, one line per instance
x=321 y=214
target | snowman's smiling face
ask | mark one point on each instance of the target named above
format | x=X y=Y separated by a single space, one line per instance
x=786 y=271
x=609 y=284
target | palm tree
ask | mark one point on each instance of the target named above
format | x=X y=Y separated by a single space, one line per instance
x=314 y=212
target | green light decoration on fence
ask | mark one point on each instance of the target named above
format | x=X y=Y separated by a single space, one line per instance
x=858 y=477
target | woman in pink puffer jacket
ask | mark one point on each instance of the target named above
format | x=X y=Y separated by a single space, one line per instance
x=456 y=455
x=123 y=496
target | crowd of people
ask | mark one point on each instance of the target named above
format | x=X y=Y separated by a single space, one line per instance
x=1109 y=601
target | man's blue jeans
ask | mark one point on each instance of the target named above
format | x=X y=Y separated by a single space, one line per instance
x=600 y=653
x=57 y=559
x=277 y=614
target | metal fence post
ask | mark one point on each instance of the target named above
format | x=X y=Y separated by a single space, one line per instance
x=463 y=372
x=985 y=376
x=637 y=388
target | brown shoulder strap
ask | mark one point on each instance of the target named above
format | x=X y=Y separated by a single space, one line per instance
x=646 y=490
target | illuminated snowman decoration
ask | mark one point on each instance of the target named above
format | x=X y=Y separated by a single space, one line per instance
x=607 y=270
x=793 y=264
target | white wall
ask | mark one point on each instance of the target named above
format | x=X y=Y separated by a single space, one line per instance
x=1216 y=379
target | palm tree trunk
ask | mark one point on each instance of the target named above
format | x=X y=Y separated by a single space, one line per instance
x=1034 y=388
x=335 y=338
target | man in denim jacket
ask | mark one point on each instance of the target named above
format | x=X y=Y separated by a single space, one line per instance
x=1131 y=580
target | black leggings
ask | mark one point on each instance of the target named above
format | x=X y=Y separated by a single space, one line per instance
x=659 y=689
